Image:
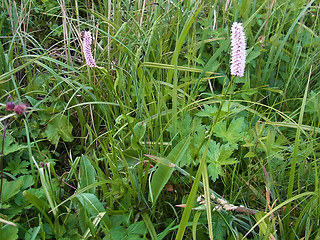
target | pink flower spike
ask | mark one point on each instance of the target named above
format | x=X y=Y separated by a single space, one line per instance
x=238 y=50
x=87 y=41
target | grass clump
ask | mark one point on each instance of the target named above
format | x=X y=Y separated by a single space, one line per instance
x=155 y=139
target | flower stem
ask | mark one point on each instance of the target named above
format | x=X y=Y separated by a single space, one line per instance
x=1 y=156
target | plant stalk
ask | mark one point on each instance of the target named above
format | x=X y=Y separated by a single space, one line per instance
x=1 y=156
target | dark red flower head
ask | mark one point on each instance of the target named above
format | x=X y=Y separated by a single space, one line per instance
x=10 y=106
x=20 y=109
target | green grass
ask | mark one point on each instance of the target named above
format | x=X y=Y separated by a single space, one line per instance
x=131 y=149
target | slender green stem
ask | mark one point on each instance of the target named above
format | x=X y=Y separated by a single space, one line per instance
x=30 y=151
x=194 y=189
x=295 y=156
x=1 y=156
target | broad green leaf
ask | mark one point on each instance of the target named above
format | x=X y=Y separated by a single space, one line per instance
x=137 y=228
x=197 y=139
x=91 y=203
x=8 y=232
x=184 y=126
x=41 y=205
x=10 y=146
x=208 y=111
x=17 y=166
x=87 y=174
x=117 y=232
x=138 y=132
x=27 y=181
x=32 y=233
x=163 y=173
x=58 y=127
x=217 y=156
x=252 y=54
x=219 y=226
x=10 y=189
x=83 y=219
x=214 y=170
x=188 y=126
x=250 y=154
x=234 y=133
x=134 y=237
x=272 y=146
x=315 y=41
x=225 y=153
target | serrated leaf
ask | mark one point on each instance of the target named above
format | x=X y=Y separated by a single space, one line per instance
x=213 y=151
x=234 y=133
x=192 y=151
x=186 y=126
x=208 y=111
x=225 y=153
x=10 y=146
x=17 y=166
x=274 y=147
x=217 y=156
x=219 y=226
x=59 y=127
x=214 y=170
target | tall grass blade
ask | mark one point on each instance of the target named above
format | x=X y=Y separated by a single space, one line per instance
x=149 y=225
x=295 y=156
x=174 y=62
x=305 y=194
